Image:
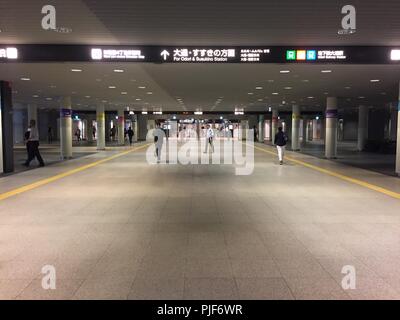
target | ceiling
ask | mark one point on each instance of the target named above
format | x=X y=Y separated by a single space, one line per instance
x=206 y=22
x=208 y=87
x=218 y=87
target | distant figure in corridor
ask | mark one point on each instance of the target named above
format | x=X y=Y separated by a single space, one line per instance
x=94 y=132
x=209 y=138
x=32 y=144
x=280 y=142
x=78 y=134
x=130 y=135
x=158 y=141
x=112 y=133
x=50 y=135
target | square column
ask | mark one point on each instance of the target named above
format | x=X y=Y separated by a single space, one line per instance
x=362 y=135
x=296 y=128
x=398 y=138
x=101 y=127
x=331 y=128
x=261 y=128
x=66 y=128
x=6 y=128
x=274 y=123
x=121 y=126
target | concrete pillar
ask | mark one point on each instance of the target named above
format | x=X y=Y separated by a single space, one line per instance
x=101 y=127
x=398 y=138
x=32 y=113
x=305 y=130
x=89 y=129
x=121 y=126
x=261 y=128
x=66 y=128
x=314 y=129
x=331 y=128
x=274 y=122
x=296 y=128
x=362 y=127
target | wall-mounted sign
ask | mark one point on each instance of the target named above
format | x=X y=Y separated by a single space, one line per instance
x=117 y=54
x=213 y=54
x=9 y=53
x=312 y=55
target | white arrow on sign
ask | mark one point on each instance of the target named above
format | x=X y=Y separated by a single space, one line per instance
x=165 y=54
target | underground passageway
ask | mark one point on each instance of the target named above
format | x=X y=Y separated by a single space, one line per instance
x=126 y=229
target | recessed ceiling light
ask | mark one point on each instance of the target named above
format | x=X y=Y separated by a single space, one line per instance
x=288 y=88
x=260 y=99
x=250 y=93
x=124 y=92
x=284 y=71
x=347 y=88
x=25 y=79
x=326 y=93
x=98 y=80
x=138 y=99
x=35 y=96
x=49 y=99
x=52 y=86
x=259 y=88
x=87 y=97
x=149 y=92
x=326 y=71
x=111 y=87
x=275 y=93
x=104 y=101
x=270 y=80
x=76 y=70
x=361 y=97
x=142 y=87
x=374 y=80
x=310 y=97
x=118 y=70
x=305 y=80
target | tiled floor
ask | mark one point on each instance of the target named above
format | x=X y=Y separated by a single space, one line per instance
x=126 y=229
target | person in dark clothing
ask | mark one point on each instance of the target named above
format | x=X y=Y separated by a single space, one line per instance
x=50 y=135
x=32 y=144
x=280 y=142
x=255 y=133
x=130 y=135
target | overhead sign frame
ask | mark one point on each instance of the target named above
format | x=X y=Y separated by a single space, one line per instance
x=201 y=54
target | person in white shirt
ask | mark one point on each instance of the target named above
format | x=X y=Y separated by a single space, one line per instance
x=158 y=141
x=209 y=138
x=32 y=144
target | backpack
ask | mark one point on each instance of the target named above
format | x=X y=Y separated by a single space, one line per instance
x=27 y=135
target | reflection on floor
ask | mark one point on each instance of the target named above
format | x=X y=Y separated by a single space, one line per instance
x=348 y=155
x=126 y=229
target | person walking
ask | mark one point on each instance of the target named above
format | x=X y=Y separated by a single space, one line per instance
x=280 y=142
x=209 y=139
x=158 y=141
x=32 y=144
x=130 y=135
x=78 y=134
x=94 y=132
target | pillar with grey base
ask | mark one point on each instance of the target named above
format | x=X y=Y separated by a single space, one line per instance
x=66 y=128
x=398 y=138
x=101 y=127
x=331 y=128
x=362 y=135
x=121 y=127
x=274 y=123
x=295 y=128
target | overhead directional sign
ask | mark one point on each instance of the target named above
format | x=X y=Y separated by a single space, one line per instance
x=201 y=54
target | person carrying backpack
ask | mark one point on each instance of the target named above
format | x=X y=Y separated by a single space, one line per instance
x=280 y=142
